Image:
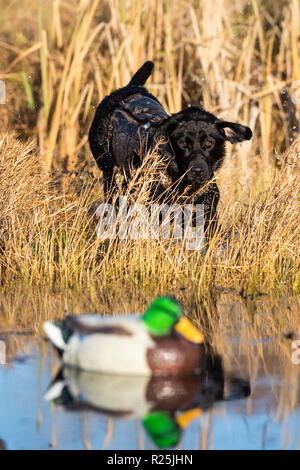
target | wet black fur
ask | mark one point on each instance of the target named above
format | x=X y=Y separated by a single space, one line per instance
x=194 y=144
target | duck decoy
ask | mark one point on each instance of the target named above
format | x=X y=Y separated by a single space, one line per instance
x=161 y=342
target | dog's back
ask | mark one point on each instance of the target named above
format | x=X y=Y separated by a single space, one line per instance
x=122 y=121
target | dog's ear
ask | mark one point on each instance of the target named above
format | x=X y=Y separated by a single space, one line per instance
x=234 y=132
x=166 y=147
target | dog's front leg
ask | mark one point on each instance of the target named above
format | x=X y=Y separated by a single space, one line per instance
x=210 y=201
x=109 y=184
x=158 y=193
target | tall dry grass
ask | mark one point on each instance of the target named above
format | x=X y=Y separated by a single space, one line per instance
x=239 y=59
x=59 y=59
x=49 y=239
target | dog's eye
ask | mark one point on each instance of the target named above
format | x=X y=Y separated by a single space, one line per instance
x=207 y=144
x=184 y=145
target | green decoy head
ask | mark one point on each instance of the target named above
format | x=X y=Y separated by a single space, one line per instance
x=164 y=314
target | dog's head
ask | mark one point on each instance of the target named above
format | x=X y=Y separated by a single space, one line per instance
x=194 y=144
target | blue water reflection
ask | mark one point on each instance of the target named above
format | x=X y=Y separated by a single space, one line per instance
x=266 y=419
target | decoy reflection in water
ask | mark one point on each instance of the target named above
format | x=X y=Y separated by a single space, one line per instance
x=2 y=445
x=165 y=405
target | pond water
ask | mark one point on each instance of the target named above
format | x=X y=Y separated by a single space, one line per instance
x=248 y=400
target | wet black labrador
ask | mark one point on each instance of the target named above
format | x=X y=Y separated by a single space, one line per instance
x=130 y=121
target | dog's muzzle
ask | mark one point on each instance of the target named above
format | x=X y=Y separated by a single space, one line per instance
x=198 y=174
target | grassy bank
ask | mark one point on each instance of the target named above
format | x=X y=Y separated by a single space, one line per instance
x=48 y=239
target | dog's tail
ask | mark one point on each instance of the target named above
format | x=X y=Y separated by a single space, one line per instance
x=140 y=77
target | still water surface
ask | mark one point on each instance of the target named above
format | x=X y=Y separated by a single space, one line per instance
x=253 y=405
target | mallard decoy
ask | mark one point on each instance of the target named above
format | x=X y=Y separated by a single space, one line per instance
x=161 y=342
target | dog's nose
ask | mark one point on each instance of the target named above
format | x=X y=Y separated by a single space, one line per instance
x=198 y=173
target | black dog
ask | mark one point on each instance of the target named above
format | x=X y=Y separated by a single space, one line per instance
x=130 y=121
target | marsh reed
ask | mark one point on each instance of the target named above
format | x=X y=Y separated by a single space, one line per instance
x=238 y=59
